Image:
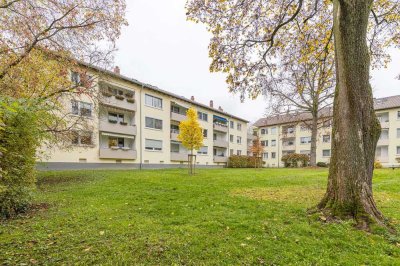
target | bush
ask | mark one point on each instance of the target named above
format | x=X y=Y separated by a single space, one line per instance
x=377 y=165
x=295 y=160
x=322 y=164
x=242 y=161
x=19 y=140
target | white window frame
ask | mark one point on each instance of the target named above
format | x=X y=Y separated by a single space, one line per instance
x=323 y=155
x=202 y=152
x=154 y=123
x=148 y=148
x=202 y=116
x=80 y=106
x=152 y=104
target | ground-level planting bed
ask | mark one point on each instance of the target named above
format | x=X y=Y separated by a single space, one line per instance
x=219 y=216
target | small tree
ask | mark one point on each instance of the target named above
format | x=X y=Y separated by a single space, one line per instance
x=191 y=135
x=257 y=149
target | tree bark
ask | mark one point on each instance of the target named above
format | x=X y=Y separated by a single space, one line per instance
x=314 y=133
x=355 y=127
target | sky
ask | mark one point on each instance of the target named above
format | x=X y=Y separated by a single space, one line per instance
x=162 y=48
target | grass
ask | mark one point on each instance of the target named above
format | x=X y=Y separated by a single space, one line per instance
x=218 y=217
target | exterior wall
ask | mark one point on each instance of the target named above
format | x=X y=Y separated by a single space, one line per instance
x=390 y=120
x=93 y=156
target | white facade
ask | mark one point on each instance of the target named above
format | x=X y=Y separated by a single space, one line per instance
x=136 y=125
x=281 y=138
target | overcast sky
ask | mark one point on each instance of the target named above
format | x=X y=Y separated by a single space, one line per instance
x=161 y=48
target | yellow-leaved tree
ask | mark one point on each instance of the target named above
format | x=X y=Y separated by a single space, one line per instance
x=191 y=135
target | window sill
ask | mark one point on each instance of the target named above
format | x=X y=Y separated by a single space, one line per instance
x=152 y=150
x=150 y=128
x=154 y=107
x=84 y=145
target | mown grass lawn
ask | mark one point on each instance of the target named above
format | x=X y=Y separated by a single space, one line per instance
x=218 y=217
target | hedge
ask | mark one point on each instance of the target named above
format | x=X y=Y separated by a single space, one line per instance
x=242 y=161
x=295 y=160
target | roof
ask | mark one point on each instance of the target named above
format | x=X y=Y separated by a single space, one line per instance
x=387 y=102
x=290 y=118
x=156 y=89
x=379 y=104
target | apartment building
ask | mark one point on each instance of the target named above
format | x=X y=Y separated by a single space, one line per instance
x=135 y=125
x=285 y=134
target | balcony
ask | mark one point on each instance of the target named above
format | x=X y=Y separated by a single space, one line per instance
x=118 y=153
x=221 y=143
x=107 y=126
x=174 y=134
x=220 y=127
x=179 y=156
x=220 y=159
x=288 y=147
x=383 y=142
x=178 y=117
x=288 y=134
x=118 y=101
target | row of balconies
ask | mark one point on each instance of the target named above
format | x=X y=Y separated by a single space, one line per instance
x=183 y=157
x=217 y=127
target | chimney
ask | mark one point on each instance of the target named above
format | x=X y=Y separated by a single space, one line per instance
x=212 y=104
x=220 y=108
x=192 y=98
x=117 y=70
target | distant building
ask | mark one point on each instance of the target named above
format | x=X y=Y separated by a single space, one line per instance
x=285 y=134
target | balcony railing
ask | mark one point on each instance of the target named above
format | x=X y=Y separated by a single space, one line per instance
x=119 y=101
x=178 y=117
x=179 y=156
x=220 y=127
x=220 y=159
x=174 y=135
x=116 y=127
x=118 y=153
x=221 y=143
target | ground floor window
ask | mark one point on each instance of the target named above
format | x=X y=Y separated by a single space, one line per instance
x=273 y=155
x=153 y=145
x=116 y=142
x=326 y=153
x=203 y=150
x=82 y=138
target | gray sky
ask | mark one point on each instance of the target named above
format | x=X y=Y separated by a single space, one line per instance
x=161 y=48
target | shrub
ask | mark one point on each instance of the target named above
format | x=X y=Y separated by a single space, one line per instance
x=19 y=140
x=377 y=165
x=242 y=161
x=295 y=160
x=322 y=164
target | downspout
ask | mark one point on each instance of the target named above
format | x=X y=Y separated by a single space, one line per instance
x=279 y=140
x=141 y=129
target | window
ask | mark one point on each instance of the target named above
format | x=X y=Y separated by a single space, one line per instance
x=398 y=133
x=81 y=108
x=214 y=136
x=205 y=133
x=175 y=129
x=398 y=150
x=203 y=150
x=326 y=153
x=264 y=143
x=116 y=142
x=273 y=143
x=239 y=140
x=305 y=140
x=239 y=152
x=153 y=101
x=326 y=138
x=153 y=145
x=203 y=116
x=264 y=131
x=304 y=127
x=239 y=126
x=175 y=109
x=153 y=123
x=327 y=123
x=265 y=155
x=398 y=114
x=82 y=138
x=115 y=118
x=384 y=134
x=273 y=155
x=76 y=78
x=231 y=138
x=231 y=152
x=232 y=124
x=175 y=147
x=273 y=131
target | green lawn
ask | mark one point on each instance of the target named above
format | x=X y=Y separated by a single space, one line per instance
x=218 y=217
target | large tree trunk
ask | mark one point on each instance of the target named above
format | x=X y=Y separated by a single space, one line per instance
x=355 y=127
x=314 y=133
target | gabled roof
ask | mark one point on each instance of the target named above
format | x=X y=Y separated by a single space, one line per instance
x=379 y=104
x=156 y=89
